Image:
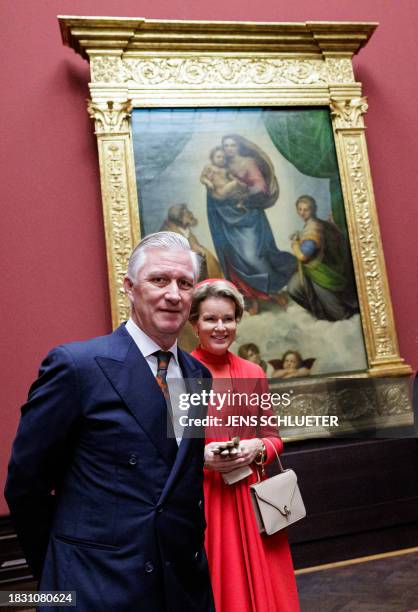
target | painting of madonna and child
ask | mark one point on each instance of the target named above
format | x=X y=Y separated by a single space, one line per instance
x=257 y=193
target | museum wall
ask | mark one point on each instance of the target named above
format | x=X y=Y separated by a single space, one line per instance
x=54 y=278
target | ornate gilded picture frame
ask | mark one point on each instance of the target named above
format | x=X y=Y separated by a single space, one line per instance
x=254 y=133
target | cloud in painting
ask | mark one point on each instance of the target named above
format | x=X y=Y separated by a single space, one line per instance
x=337 y=346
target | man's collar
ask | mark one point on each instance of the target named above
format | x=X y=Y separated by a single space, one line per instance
x=146 y=345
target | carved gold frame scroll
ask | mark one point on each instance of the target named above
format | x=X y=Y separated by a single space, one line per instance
x=138 y=63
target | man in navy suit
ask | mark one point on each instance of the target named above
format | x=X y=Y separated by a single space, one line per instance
x=105 y=502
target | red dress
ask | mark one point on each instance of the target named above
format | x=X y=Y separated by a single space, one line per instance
x=249 y=572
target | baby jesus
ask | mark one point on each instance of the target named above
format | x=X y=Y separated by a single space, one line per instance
x=221 y=183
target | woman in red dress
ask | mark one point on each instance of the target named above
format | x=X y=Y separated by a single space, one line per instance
x=249 y=572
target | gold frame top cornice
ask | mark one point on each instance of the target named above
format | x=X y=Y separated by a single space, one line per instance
x=89 y=34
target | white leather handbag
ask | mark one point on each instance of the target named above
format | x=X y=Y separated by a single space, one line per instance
x=277 y=501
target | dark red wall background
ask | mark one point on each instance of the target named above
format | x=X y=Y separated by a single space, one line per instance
x=54 y=278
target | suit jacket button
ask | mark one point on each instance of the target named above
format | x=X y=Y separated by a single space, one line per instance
x=196 y=556
x=160 y=509
x=200 y=503
x=133 y=460
x=149 y=568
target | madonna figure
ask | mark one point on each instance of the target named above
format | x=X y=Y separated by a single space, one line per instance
x=249 y=572
x=242 y=235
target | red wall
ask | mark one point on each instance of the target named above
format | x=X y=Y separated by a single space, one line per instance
x=54 y=279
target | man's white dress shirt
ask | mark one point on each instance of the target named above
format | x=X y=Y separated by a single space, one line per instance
x=147 y=346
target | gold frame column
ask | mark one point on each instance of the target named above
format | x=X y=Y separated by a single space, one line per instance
x=119 y=195
x=347 y=110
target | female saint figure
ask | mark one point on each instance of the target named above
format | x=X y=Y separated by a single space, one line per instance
x=324 y=283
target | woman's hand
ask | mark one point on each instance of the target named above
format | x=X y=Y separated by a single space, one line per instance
x=248 y=451
x=218 y=463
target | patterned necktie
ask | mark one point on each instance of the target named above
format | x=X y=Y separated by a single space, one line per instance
x=163 y=359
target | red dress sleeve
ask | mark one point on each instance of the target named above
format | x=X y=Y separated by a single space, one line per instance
x=268 y=431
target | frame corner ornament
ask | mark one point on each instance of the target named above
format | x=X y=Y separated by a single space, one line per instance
x=107 y=69
x=339 y=70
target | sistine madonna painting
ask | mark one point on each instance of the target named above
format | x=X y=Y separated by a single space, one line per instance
x=257 y=193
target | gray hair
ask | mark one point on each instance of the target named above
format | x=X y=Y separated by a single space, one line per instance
x=161 y=240
x=216 y=289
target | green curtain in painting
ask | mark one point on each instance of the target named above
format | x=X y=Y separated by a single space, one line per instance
x=305 y=138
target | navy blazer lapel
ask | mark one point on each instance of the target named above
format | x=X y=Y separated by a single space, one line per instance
x=193 y=375
x=131 y=377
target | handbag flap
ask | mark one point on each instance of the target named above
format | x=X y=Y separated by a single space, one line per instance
x=277 y=491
